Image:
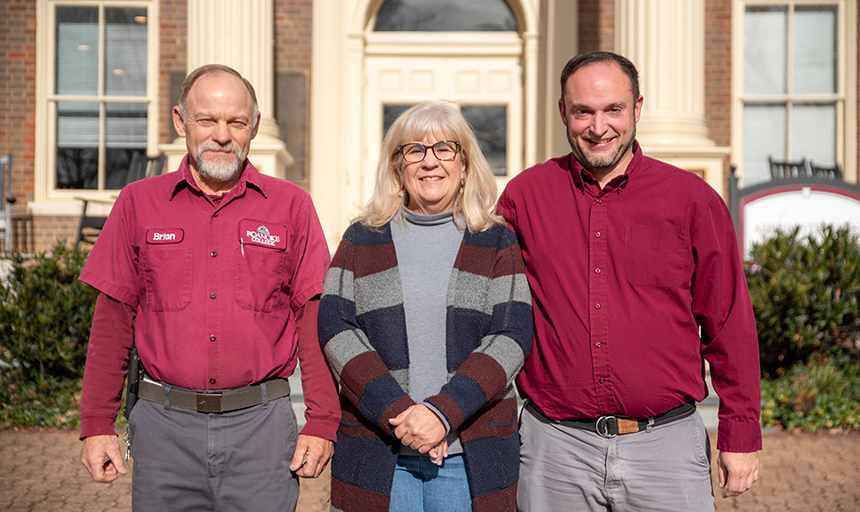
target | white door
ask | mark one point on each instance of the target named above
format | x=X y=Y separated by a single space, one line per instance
x=481 y=73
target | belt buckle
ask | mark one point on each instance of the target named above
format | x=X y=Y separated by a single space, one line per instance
x=208 y=402
x=601 y=426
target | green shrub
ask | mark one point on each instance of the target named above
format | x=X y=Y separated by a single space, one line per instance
x=805 y=292
x=26 y=404
x=821 y=394
x=45 y=316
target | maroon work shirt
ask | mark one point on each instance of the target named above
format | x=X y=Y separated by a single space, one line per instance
x=622 y=279
x=217 y=285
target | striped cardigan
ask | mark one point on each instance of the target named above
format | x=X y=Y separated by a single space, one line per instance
x=489 y=333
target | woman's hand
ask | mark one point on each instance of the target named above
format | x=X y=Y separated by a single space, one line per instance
x=419 y=428
x=439 y=452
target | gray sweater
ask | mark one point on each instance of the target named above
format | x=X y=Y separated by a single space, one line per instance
x=426 y=247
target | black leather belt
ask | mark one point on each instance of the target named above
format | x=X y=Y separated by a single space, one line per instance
x=213 y=401
x=613 y=425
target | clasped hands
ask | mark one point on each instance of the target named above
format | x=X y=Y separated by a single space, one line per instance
x=421 y=429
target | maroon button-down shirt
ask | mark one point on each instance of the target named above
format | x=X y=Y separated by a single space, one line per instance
x=622 y=279
x=217 y=286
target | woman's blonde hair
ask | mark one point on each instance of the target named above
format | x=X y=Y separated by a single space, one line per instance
x=477 y=199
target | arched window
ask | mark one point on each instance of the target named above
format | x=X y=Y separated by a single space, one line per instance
x=445 y=16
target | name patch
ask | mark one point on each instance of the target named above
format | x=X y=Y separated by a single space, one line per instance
x=263 y=234
x=164 y=235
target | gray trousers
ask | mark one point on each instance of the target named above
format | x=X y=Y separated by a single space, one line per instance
x=235 y=461
x=665 y=468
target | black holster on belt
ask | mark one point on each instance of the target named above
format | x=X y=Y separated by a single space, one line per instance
x=135 y=374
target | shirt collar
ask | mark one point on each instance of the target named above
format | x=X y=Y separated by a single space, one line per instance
x=583 y=178
x=250 y=178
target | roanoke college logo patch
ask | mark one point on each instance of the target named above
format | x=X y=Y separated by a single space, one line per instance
x=264 y=234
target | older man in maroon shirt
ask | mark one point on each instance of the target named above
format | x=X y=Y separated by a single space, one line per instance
x=636 y=280
x=215 y=272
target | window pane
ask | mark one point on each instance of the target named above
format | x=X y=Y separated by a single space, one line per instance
x=765 y=45
x=126 y=125
x=125 y=132
x=813 y=132
x=77 y=145
x=445 y=16
x=77 y=50
x=815 y=49
x=125 y=52
x=491 y=128
x=117 y=167
x=77 y=124
x=389 y=114
x=764 y=134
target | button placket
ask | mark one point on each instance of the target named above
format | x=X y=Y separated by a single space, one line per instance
x=598 y=256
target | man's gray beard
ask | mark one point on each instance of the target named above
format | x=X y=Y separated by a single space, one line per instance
x=219 y=173
x=594 y=165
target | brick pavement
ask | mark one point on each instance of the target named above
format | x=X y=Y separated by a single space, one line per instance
x=40 y=471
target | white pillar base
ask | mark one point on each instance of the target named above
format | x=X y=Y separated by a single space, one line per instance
x=706 y=161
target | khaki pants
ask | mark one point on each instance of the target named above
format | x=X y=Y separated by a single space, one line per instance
x=665 y=468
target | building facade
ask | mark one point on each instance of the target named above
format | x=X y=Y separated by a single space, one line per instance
x=726 y=83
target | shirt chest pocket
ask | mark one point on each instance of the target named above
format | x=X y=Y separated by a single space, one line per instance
x=658 y=255
x=260 y=278
x=167 y=278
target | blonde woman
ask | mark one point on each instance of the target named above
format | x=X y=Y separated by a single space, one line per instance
x=426 y=320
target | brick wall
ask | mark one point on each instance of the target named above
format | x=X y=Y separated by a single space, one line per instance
x=293 y=35
x=718 y=75
x=596 y=25
x=718 y=69
x=172 y=25
x=292 y=82
x=17 y=101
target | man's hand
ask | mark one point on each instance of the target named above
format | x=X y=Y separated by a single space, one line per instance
x=312 y=455
x=738 y=471
x=101 y=456
x=419 y=428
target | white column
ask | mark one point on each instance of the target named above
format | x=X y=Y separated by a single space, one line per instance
x=665 y=39
x=240 y=34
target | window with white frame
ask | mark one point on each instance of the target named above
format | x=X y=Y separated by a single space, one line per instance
x=793 y=86
x=98 y=104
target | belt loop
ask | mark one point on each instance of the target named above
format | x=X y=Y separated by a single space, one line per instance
x=650 y=424
x=265 y=396
x=167 y=398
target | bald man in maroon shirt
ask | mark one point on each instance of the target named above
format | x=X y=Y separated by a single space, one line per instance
x=214 y=272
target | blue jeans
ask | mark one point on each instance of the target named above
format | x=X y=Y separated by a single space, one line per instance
x=421 y=485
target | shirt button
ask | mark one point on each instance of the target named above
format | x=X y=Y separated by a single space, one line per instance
x=600 y=381
x=215 y=214
x=597 y=235
x=213 y=254
x=599 y=201
x=597 y=271
x=212 y=381
x=597 y=344
x=597 y=306
x=212 y=338
x=212 y=295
